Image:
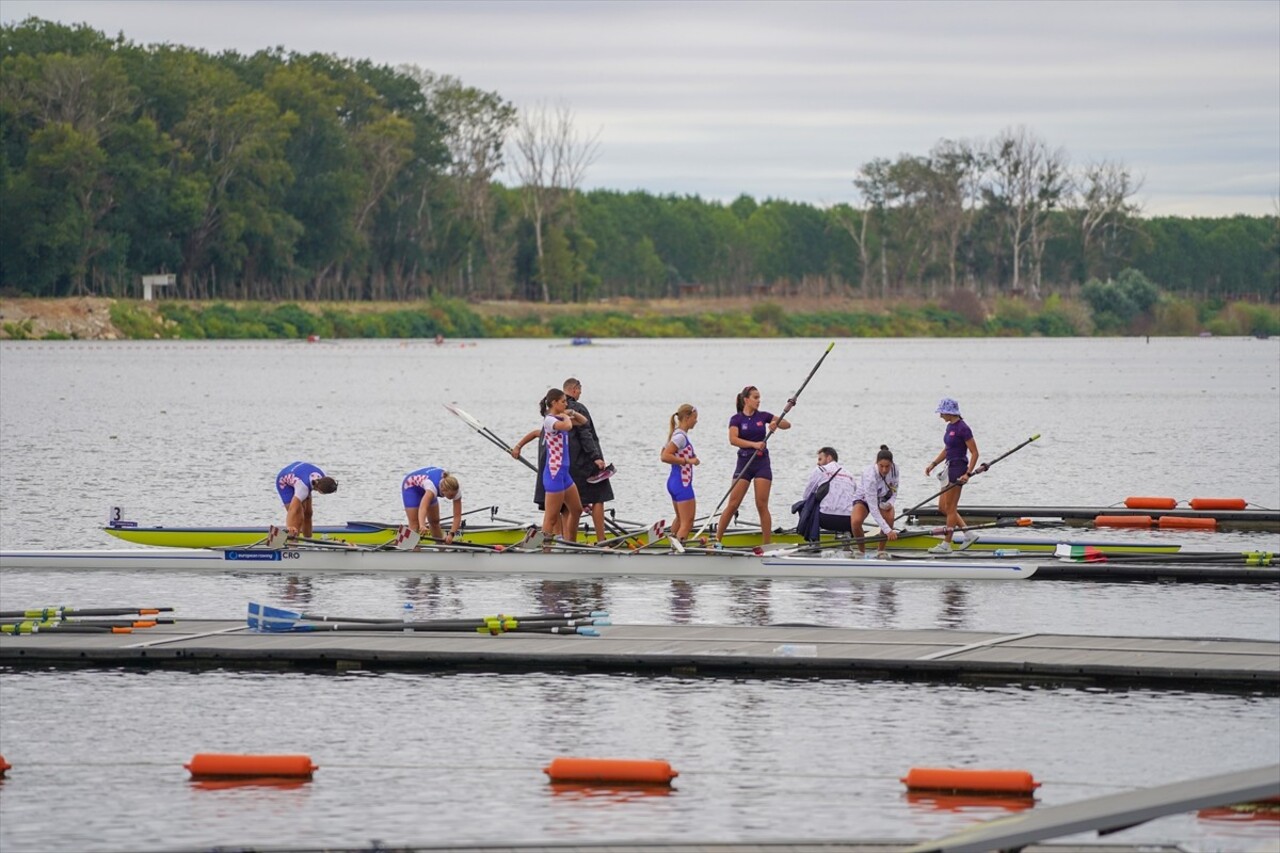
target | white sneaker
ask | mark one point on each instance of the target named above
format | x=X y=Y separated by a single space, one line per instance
x=941 y=548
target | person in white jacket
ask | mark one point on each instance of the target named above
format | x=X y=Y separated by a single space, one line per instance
x=874 y=498
x=836 y=506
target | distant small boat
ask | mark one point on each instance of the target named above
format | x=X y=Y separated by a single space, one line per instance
x=581 y=342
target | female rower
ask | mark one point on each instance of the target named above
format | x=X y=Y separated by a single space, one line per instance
x=874 y=498
x=421 y=491
x=295 y=483
x=678 y=453
x=559 y=485
x=747 y=432
x=961 y=453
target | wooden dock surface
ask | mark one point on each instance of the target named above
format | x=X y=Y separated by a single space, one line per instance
x=803 y=651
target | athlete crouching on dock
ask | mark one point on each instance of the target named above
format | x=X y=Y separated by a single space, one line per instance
x=295 y=483
x=874 y=497
x=420 y=491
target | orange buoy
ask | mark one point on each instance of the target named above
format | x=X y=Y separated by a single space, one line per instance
x=972 y=781
x=1218 y=503
x=632 y=770
x=4 y=765
x=217 y=765
x=1122 y=521
x=1179 y=522
x=1150 y=503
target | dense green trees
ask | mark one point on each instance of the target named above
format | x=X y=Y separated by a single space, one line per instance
x=280 y=176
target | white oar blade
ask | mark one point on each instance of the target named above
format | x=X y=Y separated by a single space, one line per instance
x=277 y=538
x=472 y=422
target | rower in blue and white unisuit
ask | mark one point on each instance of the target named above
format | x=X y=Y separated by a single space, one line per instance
x=961 y=453
x=557 y=420
x=295 y=483
x=420 y=492
x=678 y=453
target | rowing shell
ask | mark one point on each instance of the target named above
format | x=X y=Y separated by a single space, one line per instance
x=372 y=533
x=585 y=563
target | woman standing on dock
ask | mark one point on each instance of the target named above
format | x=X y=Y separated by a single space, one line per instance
x=559 y=485
x=678 y=453
x=747 y=432
x=961 y=454
x=874 y=498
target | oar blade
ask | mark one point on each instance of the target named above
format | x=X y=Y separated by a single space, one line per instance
x=263 y=617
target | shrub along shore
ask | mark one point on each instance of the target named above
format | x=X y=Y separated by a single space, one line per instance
x=960 y=315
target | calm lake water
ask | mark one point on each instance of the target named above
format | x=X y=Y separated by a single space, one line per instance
x=193 y=433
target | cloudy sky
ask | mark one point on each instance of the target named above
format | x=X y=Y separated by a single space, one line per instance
x=788 y=100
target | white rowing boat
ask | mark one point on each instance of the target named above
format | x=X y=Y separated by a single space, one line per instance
x=585 y=562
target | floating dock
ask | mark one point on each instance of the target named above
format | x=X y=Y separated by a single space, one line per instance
x=781 y=651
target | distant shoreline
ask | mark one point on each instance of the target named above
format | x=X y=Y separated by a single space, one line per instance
x=963 y=315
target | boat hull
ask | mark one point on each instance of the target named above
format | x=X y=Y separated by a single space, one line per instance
x=591 y=564
x=365 y=533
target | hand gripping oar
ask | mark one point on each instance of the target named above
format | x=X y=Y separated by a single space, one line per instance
x=791 y=402
x=979 y=470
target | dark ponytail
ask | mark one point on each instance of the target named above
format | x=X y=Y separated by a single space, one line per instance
x=552 y=395
x=742 y=396
x=885 y=453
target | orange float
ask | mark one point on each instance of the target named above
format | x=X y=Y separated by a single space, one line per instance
x=1219 y=503
x=1177 y=522
x=1122 y=521
x=217 y=765
x=1150 y=503
x=970 y=781
x=625 y=770
x=4 y=766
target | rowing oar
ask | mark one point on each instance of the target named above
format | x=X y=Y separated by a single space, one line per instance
x=63 y=612
x=979 y=470
x=1089 y=554
x=487 y=433
x=902 y=534
x=773 y=427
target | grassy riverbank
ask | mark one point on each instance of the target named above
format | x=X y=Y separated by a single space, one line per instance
x=962 y=315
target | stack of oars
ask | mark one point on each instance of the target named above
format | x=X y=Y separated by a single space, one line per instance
x=266 y=619
x=80 y=620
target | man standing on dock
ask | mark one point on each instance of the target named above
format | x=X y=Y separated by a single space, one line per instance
x=589 y=470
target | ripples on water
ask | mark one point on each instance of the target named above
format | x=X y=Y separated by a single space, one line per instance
x=192 y=434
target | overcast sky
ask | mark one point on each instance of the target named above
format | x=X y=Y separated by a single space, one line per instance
x=788 y=100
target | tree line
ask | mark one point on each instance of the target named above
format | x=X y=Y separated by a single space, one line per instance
x=282 y=176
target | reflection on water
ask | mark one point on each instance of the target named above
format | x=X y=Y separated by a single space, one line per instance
x=954 y=606
x=607 y=794
x=978 y=806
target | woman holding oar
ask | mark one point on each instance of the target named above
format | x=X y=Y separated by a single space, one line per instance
x=961 y=454
x=559 y=485
x=421 y=491
x=678 y=453
x=748 y=431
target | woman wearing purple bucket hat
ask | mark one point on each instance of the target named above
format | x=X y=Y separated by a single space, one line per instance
x=961 y=454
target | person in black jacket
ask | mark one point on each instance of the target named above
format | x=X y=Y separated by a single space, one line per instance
x=589 y=469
